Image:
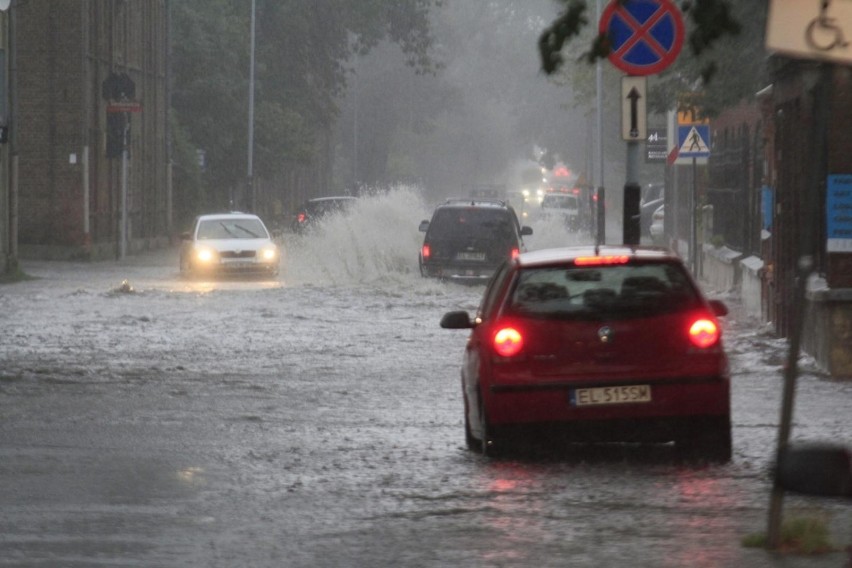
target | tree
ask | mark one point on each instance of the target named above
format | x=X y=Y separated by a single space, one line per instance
x=301 y=50
x=719 y=33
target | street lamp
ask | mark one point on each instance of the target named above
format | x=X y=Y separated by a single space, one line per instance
x=250 y=167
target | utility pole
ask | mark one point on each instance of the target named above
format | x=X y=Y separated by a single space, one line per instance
x=250 y=169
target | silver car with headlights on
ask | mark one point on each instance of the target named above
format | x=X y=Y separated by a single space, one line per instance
x=228 y=243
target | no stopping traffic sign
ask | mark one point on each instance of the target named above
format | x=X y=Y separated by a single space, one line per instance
x=645 y=35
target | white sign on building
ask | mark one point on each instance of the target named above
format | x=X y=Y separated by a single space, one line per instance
x=811 y=29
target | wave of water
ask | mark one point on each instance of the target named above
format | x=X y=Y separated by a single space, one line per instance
x=377 y=242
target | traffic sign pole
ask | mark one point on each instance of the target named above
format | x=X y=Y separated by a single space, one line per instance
x=646 y=37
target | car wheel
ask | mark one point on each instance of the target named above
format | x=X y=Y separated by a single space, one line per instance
x=708 y=439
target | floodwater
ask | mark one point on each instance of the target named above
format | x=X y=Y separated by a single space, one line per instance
x=316 y=420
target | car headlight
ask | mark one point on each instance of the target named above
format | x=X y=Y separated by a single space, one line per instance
x=205 y=255
x=268 y=254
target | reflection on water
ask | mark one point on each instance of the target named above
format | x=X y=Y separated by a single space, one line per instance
x=588 y=502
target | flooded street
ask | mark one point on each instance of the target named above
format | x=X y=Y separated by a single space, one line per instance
x=316 y=420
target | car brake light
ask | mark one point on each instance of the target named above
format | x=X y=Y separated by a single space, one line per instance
x=515 y=253
x=704 y=333
x=301 y=218
x=601 y=260
x=426 y=251
x=508 y=342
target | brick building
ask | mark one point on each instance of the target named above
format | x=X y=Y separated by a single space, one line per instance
x=69 y=191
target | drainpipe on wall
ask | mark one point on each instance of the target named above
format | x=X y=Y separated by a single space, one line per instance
x=84 y=125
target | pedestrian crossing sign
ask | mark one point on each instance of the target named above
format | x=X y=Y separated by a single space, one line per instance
x=693 y=141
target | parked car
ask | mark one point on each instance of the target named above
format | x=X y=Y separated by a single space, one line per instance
x=653 y=195
x=564 y=206
x=228 y=243
x=596 y=344
x=467 y=239
x=312 y=211
x=658 y=225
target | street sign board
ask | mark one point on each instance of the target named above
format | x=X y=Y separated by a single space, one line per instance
x=656 y=146
x=693 y=141
x=838 y=213
x=645 y=35
x=811 y=30
x=124 y=106
x=633 y=109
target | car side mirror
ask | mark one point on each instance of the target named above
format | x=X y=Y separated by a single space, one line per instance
x=815 y=469
x=456 y=320
x=719 y=308
x=185 y=236
x=526 y=231
x=424 y=224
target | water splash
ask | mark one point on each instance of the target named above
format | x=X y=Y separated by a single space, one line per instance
x=376 y=241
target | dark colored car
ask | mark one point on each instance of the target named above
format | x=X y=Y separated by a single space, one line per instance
x=314 y=210
x=585 y=344
x=467 y=239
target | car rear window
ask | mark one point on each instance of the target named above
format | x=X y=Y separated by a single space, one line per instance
x=246 y=228
x=594 y=292
x=479 y=223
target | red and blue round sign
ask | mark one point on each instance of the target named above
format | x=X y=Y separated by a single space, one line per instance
x=645 y=35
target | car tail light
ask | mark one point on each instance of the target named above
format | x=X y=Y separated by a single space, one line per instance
x=508 y=342
x=601 y=260
x=301 y=218
x=515 y=252
x=704 y=333
x=426 y=252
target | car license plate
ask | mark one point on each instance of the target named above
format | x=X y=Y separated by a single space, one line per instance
x=478 y=256
x=611 y=395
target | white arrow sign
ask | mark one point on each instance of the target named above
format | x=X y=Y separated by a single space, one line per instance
x=634 y=123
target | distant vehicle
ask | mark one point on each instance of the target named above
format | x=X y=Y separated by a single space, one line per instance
x=467 y=239
x=228 y=243
x=596 y=344
x=657 y=227
x=564 y=206
x=653 y=195
x=313 y=211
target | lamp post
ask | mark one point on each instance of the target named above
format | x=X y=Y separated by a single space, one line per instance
x=250 y=168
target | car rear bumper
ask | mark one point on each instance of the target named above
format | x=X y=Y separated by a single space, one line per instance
x=553 y=403
x=468 y=273
x=656 y=430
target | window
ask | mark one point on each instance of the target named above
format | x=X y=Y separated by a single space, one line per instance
x=612 y=292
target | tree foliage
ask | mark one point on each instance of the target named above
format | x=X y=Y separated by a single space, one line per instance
x=720 y=34
x=301 y=50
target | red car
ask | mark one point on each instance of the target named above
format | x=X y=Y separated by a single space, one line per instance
x=596 y=344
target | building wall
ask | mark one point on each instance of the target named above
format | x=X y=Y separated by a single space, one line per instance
x=48 y=121
x=66 y=49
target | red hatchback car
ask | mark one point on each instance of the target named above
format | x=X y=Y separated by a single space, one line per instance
x=596 y=344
